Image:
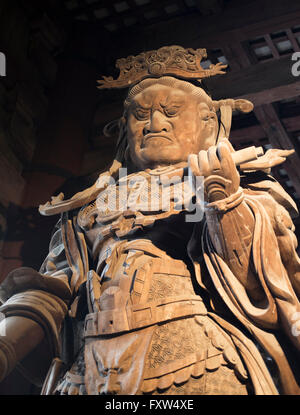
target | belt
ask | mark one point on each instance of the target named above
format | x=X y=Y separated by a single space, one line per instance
x=142 y=315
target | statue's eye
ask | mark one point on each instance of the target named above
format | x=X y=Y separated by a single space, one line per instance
x=141 y=114
x=171 y=111
x=206 y=116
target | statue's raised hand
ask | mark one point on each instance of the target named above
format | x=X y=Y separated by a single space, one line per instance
x=216 y=165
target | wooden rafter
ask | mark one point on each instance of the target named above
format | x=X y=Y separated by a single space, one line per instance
x=279 y=138
x=293 y=40
x=277 y=93
x=254 y=79
x=271 y=45
x=217 y=30
x=256 y=132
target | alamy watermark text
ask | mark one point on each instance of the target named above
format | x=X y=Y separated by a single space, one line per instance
x=296 y=65
x=2 y=64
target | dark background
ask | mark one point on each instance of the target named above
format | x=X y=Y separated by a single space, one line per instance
x=52 y=114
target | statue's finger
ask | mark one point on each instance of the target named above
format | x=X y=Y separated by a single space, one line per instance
x=228 y=143
x=203 y=163
x=226 y=161
x=194 y=165
x=213 y=159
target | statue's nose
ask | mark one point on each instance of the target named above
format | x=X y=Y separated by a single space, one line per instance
x=157 y=123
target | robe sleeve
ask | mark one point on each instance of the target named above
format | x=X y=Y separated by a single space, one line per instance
x=273 y=263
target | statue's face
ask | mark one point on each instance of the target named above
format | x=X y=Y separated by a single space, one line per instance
x=167 y=124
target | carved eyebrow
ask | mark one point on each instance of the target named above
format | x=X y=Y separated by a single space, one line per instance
x=139 y=105
x=173 y=102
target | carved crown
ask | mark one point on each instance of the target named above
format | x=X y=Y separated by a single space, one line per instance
x=168 y=60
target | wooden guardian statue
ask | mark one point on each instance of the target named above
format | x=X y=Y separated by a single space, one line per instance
x=141 y=295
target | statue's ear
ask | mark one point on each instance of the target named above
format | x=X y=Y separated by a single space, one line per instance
x=211 y=113
x=112 y=128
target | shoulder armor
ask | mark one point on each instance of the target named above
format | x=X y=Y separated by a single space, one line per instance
x=59 y=205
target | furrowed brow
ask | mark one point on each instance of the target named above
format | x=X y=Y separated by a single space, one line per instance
x=143 y=106
x=177 y=102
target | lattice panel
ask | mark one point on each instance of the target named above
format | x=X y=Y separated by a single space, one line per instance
x=274 y=45
x=246 y=131
x=116 y=15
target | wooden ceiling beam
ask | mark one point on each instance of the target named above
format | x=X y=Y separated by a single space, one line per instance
x=207 y=7
x=272 y=46
x=237 y=56
x=291 y=124
x=253 y=133
x=293 y=40
x=279 y=138
x=140 y=11
x=131 y=11
x=240 y=23
x=256 y=132
x=258 y=79
x=269 y=95
x=273 y=126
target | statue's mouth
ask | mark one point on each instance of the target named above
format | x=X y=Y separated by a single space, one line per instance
x=148 y=137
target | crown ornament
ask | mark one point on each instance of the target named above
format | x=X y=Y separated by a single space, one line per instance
x=166 y=61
